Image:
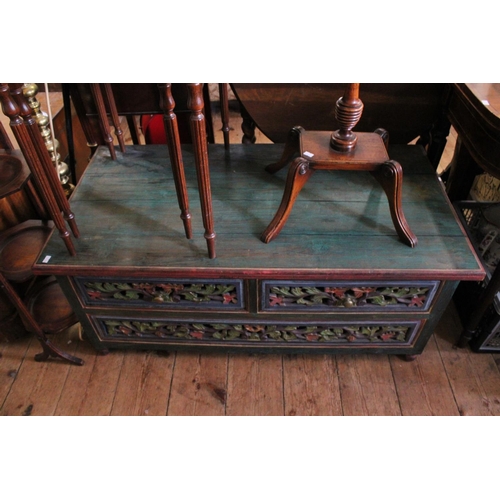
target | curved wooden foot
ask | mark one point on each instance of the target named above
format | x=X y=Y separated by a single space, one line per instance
x=298 y=174
x=465 y=338
x=292 y=148
x=49 y=350
x=390 y=177
x=409 y=357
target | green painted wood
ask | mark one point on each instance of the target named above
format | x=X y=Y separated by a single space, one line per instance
x=129 y=220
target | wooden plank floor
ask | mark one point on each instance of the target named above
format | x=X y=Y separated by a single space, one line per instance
x=441 y=381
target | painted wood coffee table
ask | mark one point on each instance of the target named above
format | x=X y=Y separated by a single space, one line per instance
x=337 y=279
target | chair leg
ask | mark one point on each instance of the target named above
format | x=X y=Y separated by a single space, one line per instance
x=390 y=177
x=114 y=115
x=199 y=136
x=292 y=148
x=167 y=103
x=224 y=112
x=103 y=118
x=298 y=174
x=18 y=127
x=25 y=112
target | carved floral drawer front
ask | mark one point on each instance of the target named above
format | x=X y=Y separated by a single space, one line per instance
x=281 y=296
x=202 y=294
x=334 y=333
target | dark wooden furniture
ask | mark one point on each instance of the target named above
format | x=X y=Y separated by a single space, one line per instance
x=406 y=110
x=135 y=283
x=341 y=150
x=103 y=116
x=196 y=105
x=478 y=150
x=19 y=199
x=25 y=129
x=135 y=99
x=478 y=145
x=478 y=302
x=40 y=304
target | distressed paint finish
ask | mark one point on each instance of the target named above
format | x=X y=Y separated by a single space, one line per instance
x=323 y=297
x=164 y=294
x=133 y=199
x=356 y=333
x=340 y=237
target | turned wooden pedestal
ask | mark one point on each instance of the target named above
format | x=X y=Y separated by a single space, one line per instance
x=313 y=152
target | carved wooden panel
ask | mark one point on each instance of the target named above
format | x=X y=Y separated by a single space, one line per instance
x=282 y=296
x=333 y=333
x=203 y=294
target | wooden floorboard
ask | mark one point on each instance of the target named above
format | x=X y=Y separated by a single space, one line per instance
x=199 y=385
x=422 y=385
x=44 y=382
x=255 y=385
x=474 y=377
x=367 y=385
x=443 y=380
x=75 y=389
x=12 y=355
x=144 y=384
x=311 y=385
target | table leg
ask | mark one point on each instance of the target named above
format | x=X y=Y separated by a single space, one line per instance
x=199 y=137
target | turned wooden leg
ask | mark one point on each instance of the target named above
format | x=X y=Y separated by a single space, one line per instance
x=114 y=115
x=167 y=103
x=390 y=177
x=224 y=112
x=133 y=129
x=103 y=118
x=348 y=111
x=46 y=164
x=88 y=131
x=298 y=174
x=31 y=154
x=199 y=136
x=247 y=127
x=292 y=148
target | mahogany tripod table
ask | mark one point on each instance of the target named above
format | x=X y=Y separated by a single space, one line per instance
x=340 y=150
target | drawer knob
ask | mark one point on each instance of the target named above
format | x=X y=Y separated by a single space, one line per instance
x=349 y=302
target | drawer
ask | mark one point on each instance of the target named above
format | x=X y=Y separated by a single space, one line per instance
x=163 y=294
x=355 y=297
x=335 y=333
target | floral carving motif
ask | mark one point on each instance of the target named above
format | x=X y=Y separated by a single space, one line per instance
x=169 y=293
x=348 y=296
x=260 y=333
